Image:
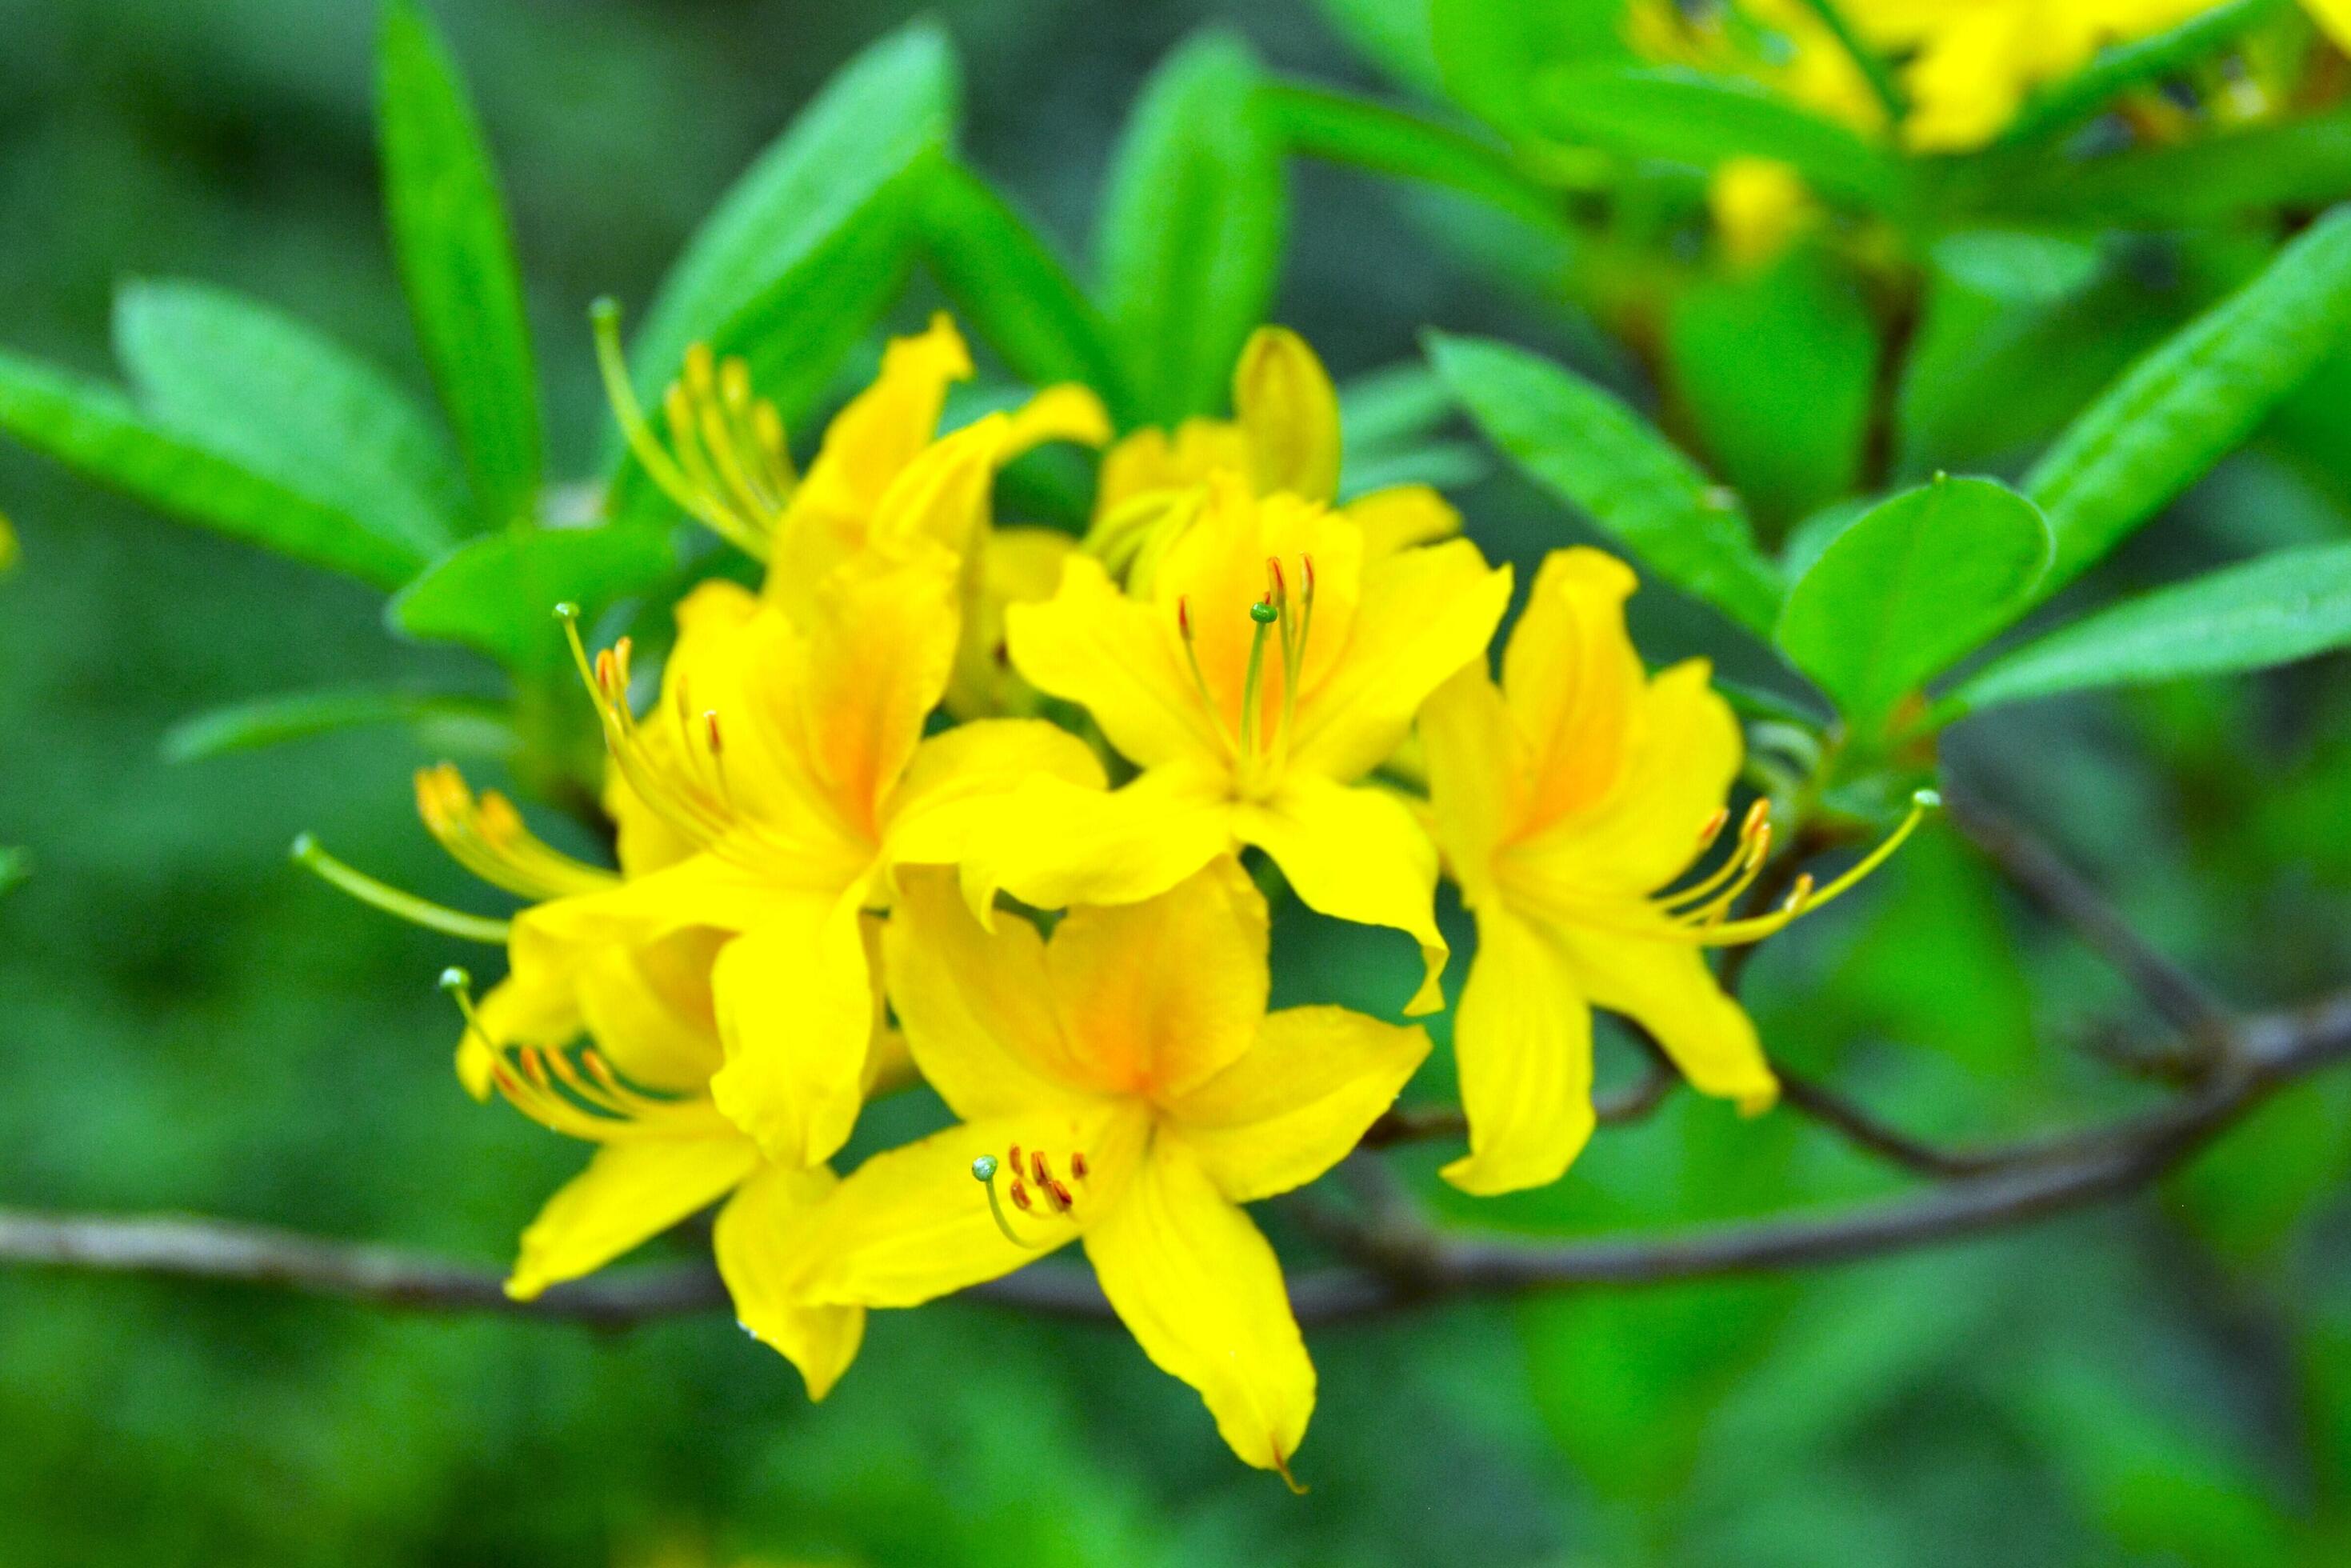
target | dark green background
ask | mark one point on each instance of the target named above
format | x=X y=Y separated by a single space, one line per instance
x=185 y=1022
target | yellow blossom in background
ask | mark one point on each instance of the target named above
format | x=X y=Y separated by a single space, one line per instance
x=1569 y=799
x=1120 y=1083
x=1759 y=207
x=1276 y=658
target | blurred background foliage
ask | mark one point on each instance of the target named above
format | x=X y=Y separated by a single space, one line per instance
x=185 y=1022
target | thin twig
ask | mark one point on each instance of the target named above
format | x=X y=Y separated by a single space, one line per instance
x=1862 y=1128
x=2268 y=1052
x=2056 y=887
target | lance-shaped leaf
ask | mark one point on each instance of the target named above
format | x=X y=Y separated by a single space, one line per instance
x=2187 y=403
x=267 y=393
x=1322 y=122
x=97 y=430
x=1587 y=446
x=445 y=723
x=1911 y=587
x=456 y=261
x=498 y=594
x=1492 y=57
x=2289 y=605
x=2300 y=162
x=1689 y=116
x=1190 y=243
x=881 y=114
x=1008 y=283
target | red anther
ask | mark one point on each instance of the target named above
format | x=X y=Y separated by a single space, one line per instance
x=1037 y=1168
x=1078 y=1167
x=1757 y=816
x=1306 y=568
x=1060 y=1196
x=1020 y=1195
x=1183 y=617
x=710 y=724
x=604 y=668
x=1714 y=825
x=533 y=1064
x=1013 y=1164
x=1281 y=588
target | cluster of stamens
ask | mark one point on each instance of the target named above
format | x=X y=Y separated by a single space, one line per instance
x=686 y=783
x=1702 y=912
x=725 y=462
x=576 y=1092
x=487 y=836
x=1274 y=614
x=1051 y=1195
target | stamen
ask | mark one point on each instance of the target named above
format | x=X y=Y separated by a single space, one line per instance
x=1264 y=614
x=392 y=901
x=1804 y=899
x=1039 y=1169
x=488 y=837
x=1199 y=678
x=984 y=1170
x=1078 y=1167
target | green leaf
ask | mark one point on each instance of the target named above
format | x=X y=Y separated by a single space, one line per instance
x=2186 y=404
x=1340 y=128
x=1190 y=239
x=268 y=393
x=1489 y=56
x=1913 y=585
x=1007 y=282
x=457 y=263
x=445 y=723
x=1684 y=116
x=96 y=430
x=1777 y=367
x=498 y=594
x=1393 y=34
x=879 y=117
x=1584 y=445
x=2124 y=66
x=2250 y=173
x=2290 y=605
x=16 y=866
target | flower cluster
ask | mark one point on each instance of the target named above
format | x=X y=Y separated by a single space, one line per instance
x=823 y=891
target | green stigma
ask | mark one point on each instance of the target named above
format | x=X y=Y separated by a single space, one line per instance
x=1264 y=614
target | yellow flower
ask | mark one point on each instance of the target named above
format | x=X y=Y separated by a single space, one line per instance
x=664 y=1152
x=1567 y=800
x=1283 y=439
x=883 y=479
x=1123 y=1084
x=789 y=760
x=1275 y=661
x=1758 y=208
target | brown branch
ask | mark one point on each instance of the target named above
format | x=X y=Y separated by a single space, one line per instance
x=2268 y=1053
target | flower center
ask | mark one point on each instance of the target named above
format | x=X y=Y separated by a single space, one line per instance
x=1052 y=1194
x=1259 y=745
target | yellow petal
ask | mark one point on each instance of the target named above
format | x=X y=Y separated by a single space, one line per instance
x=958 y=779
x=877 y=663
x=1148 y=460
x=630 y=1193
x=1286 y=405
x=1572 y=680
x=1202 y=1293
x=1052 y=845
x=1297 y=1100
x=760 y=1241
x=942 y=495
x=795 y=1000
x=1357 y=854
x=1401 y=517
x=881 y=429
x=1666 y=989
x=539 y=1006
x=1477 y=777
x=1424 y=615
x=1018 y=566
x=649 y=1010
x=913 y=1224
x=1066 y=412
x=977 y=1006
x=2334 y=18
x=1157 y=997
x=1120 y=658
x=1522 y=1040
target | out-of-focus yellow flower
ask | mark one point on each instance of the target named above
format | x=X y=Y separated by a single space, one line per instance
x=7 y=544
x=2334 y=19
x=1276 y=658
x=787 y=756
x=640 y=1092
x=1568 y=799
x=1759 y=206
x=1283 y=438
x=1121 y=1083
x=883 y=480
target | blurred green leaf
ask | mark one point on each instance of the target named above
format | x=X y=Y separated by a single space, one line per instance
x=1489 y=56
x=1587 y=446
x=456 y=260
x=2016 y=264
x=1011 y=287
x=2123 y=65
x=1684 y=116
x=2237 y=174
x=1189 y=245
x=15 y=867
x=1340 y=128
x=97 y=430
x=2289 y=605
x=1391 y=419
x=1777 y=367
x=266 y=391
x=881 y=115
x=1910 y=587
x=497 y=595
x=1393 y=34
x=2180 y=409
x=444 y=722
